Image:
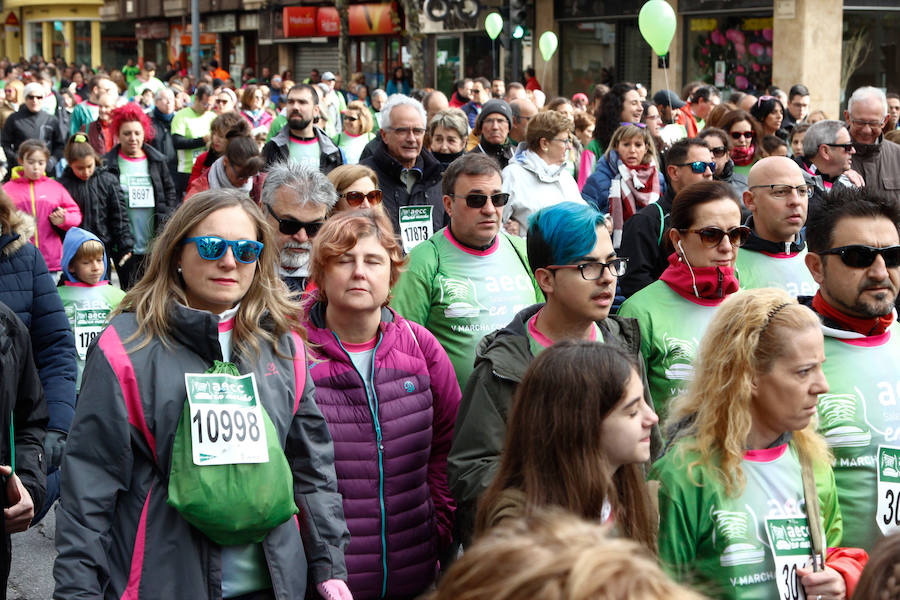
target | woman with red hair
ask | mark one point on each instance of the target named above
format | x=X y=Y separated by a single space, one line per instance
x=146 y=182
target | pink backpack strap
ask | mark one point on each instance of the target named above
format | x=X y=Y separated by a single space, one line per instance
x=299 y=368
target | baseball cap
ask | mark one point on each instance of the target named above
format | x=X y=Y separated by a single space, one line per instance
x=327 y=76
x=668 y=98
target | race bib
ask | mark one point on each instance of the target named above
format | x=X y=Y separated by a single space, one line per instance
x=140 y=191
x=415 y=225
x=89 y=324
x=791 y=548
x=226 y=419
x=196 y=152
x=888 y=515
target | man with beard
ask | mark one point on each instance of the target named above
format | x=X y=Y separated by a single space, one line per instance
x=296 y=198
x=573 y=260
x=877 y=162
x=854 y=256
x=301 y=141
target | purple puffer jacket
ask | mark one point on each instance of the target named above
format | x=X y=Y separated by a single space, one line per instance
x=397 y=502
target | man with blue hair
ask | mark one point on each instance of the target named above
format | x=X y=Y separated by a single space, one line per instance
x=573 y=260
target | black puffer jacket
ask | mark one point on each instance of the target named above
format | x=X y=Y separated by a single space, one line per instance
x=425 y=192
x=103 y=209
x=163 y=186
x=26 y=125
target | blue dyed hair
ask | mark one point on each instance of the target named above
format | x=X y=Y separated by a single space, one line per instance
x=562 y=233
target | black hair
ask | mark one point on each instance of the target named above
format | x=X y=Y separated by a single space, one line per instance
x=704 y=92
x=848 y=202
x=798 y=90
x=677 y=153
x=609 y=113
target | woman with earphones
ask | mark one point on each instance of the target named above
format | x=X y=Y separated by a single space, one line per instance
x=673 y=312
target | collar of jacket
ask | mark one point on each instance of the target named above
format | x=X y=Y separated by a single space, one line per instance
x=531 y=161
x=867 y=150
x=21 y=230
x=326 y=145
x=317 y=312
x=111 y=160
x=758 y=244
x=199 y=330
x=504 y=149
x=427 y=163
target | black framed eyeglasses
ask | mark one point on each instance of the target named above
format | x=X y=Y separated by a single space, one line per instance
x=712 y=236
x=292 y=226
x=591 y=271
x=859 y=256
x=780 y=190
x=848 y=147
x=479 y=200
x=698 y=166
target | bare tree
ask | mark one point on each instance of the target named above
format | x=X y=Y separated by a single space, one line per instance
x=415 y=41
x=343 y=9
x=855 y=50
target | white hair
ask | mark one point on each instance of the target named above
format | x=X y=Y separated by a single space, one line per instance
x=34 y=88
x=868 y=93
x=163 y=91
x=379 y=92
x=400 y=100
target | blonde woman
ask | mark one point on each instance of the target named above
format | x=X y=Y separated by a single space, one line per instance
x=210 y=300
x=731 y=497
x=358 y=122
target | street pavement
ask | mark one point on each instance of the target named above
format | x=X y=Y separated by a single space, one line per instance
x=31 y=571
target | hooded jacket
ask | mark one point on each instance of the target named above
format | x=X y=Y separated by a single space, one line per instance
x=277 y=150
x=426 y=191
x=103 y=209
x=160 y=178
x=532 y=184
x=390 y=451
x=38 y=198
x=501 y=360
x=116 y=535
x=28 y=290
x=74 y=239
x=26 y=125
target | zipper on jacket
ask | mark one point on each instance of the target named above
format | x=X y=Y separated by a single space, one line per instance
x=34 y=212
x=373 y=409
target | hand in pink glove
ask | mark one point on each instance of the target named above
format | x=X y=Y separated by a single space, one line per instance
x=334 y=589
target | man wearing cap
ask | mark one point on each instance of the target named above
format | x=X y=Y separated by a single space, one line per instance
x=333 y=105
x=492 y=126
x=668 y=104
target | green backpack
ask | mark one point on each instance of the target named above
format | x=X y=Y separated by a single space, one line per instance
x=232 y=504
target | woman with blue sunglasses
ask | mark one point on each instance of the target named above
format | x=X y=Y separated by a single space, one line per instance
x=203 y=367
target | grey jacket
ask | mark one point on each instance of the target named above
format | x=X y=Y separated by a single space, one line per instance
x=500 y=363
x=115 y=533
x=277 y=150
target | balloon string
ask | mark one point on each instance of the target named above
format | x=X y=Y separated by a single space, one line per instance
x=666 y=72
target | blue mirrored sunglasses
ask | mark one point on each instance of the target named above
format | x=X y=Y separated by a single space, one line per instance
x=211 y=247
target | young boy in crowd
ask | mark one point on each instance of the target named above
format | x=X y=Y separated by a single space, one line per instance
x=86 y=293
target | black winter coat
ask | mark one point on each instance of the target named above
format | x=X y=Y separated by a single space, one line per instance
x=25 y=125
x=162 y=141
x=426 y=191
x=28 y=290
x=103 y=209
x=645 y=244
x=160 y=178
x=22 y=398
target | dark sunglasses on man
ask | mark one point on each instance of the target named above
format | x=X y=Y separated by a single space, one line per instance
x=479 y=200
x=859 y=256
x=698 y=166
x=292 y=226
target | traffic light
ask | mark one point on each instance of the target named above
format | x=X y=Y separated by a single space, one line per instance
x=518 y=16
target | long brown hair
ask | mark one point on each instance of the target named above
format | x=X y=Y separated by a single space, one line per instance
x=880 y=580
x=553 y=451
x=161 y=285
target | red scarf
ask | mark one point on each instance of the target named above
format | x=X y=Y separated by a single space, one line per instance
x=743 y=156
x=863 y=326
x=713 y=284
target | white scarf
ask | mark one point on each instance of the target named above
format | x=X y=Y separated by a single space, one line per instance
x=218 y=179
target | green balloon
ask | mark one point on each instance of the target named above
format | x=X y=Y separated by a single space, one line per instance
x=493 y=24
x=657 y=24
x=547 y=44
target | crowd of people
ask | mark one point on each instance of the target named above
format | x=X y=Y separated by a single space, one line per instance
x=285 y=339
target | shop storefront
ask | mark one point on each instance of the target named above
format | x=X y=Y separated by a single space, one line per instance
x=602 y=46
x=180 y=45
x=237 y=41
x=154 y=40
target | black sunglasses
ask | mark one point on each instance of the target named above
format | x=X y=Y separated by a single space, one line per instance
x=719 y=151
x=847 y=147
x=712 y=236
x=479 y=200
x=698 y=166
x=737 y=134
x=861 y=257
x=292 y=226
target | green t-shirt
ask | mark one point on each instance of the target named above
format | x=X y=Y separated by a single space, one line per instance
x=189 y=124
x=130 y=73
x=352 y=145
x=277 y=125
x=721 y=544
x=460 y=294
x=305 y=152
x=87 y=307
x=134 y=177
x=671 y=329
x=785 y=271
x=860 y=420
